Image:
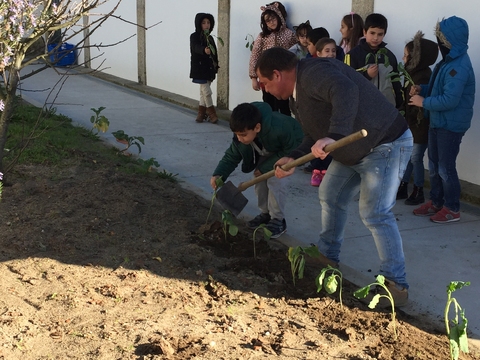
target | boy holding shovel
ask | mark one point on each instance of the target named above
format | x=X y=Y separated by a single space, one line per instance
x=261 y=138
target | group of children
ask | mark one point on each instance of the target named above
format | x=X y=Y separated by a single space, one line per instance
x=361 y=47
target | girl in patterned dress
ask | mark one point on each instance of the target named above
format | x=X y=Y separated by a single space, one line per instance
x=274 y=33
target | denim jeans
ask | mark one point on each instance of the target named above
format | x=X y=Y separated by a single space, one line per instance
x=377 y=177
x=443 y=148
x=415 y=165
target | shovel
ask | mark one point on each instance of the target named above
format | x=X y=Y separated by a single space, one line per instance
x=231 y=198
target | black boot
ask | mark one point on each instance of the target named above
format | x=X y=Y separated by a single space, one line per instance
x=416 y=197
x=402 y=192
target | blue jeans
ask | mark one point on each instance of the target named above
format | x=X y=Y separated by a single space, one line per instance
x=377 y=177
x=443 y=148
x=415 y=165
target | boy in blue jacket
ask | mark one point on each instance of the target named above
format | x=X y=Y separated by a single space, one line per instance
x=261 y=137
x=448 y=101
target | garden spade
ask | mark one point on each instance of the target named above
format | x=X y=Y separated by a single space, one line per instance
x=231 y=198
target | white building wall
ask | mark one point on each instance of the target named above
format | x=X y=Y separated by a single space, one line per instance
x=168 y=54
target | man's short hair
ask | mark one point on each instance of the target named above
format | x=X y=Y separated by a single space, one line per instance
x=245 y=116
x=275 y=58
x=376 y=21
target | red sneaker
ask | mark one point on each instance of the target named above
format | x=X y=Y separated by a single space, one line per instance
x=427 y=209
x=445 y=216
x=317 y=177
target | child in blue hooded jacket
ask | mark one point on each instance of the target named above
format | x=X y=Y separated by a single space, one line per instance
x=448 y=100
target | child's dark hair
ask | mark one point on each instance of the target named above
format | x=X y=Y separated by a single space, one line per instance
x=354 y=23
x=320 y=44
x=316 y=34
x=376 y=21
x=263 y=24
x=303 y=28
x=245 y=117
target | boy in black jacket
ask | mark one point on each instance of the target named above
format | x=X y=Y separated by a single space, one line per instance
x=372 y=58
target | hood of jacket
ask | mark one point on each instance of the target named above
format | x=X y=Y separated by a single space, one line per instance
x=453 y=33
x=424 y=54
x=274 y=7
x=198 y=21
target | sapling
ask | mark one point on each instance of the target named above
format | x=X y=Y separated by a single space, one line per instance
x=266 y=235
x=209 y=44
x=363 y=292
x=330 y=282
x=228 y=224
x=403 y=72
x=100 y=122
x=296 y=256
x=219 y=184
x=129 y=140
x=250 y=41
x=457 y=334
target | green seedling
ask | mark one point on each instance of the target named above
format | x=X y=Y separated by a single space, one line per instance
x=250 y=41
x=128 y=140
x=266 y=235
x=403 y=72
x=296 y=256
x=209 y=44
x=330 y=282
x=149 y=164
x=457 y=334
x=363 y=292
x=219 y=183
x=228 y=224
x=99 y=122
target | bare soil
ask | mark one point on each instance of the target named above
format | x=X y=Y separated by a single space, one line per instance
x=99 y=264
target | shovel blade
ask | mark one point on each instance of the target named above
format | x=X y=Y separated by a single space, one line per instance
x=231 y=199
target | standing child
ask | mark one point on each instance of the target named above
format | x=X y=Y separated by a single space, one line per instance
x=204 y=64
x=351 y=28
x=261 y=138
x=418 y=55
x=316 y=34
x=274 y=33
x=448 y=98
x=326 y=48
x=300 y=48
x=379 y=66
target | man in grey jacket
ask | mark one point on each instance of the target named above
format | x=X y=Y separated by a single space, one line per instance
x=331 y=100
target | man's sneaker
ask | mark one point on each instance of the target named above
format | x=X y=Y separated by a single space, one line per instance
x=445 y=216
x=277 y=227
x=317 y=177
x=427 y=209
x=399 y=295
x=258 y=220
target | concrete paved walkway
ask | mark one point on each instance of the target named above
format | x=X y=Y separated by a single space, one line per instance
x=436 y=254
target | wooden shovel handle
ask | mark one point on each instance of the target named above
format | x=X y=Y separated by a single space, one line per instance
x=305 y=158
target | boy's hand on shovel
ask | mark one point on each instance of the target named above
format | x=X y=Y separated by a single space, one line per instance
x=279 y=172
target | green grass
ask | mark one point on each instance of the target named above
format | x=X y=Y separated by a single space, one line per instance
x=43 y=137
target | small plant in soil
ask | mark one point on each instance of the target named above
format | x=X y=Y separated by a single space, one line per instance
x=228 y=224
x=148 y=164
x=128 y=140
x=266 y=235
x=457 y=334
x=99 y=121
x=296 y=256
x=363 y=292
x=219 y=183
x=330 y=282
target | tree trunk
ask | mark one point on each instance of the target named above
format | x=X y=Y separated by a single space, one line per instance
x=6 y=115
